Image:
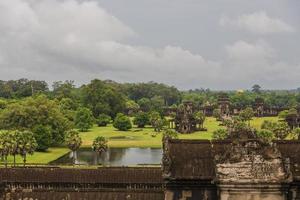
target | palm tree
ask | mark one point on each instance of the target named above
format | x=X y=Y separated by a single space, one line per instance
x=14 y=150
x=200 y=118
x=27 y=143
x=99 y=145
x=73 y=141
x=5 y=145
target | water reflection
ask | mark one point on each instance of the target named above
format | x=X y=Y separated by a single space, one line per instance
x=114 y=157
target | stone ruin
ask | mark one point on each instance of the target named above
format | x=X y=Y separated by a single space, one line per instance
x=224 y=105
x=184 y=120
x=259 y=107
x=252 y=169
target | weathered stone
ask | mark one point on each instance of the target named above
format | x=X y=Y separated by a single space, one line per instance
x=184 y=120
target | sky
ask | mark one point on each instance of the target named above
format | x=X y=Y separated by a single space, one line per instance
x=217 y=44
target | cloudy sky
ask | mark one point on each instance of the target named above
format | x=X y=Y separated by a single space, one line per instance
x=218 y=44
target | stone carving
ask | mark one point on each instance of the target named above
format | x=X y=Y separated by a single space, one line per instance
x=251 y=161
x=166 y=160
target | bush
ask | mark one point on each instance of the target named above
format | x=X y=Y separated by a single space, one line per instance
x=103 y=120
x=281 y=130
x=159 y=124
x=220 y=134
x=246 y=114
x=169 y=134
x=84 y=119
x=122 y=122
x=296 y=133
x=268 y=125
x=42 y=135
x=141 y=119
x=265 y=134
x=217 y=114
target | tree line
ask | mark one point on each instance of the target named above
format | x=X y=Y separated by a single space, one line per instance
x=50 y=113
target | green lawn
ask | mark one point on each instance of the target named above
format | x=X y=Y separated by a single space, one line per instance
x=133 y=138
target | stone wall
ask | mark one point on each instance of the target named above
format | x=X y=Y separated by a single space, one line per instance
x=192 y=176
x=104 y=183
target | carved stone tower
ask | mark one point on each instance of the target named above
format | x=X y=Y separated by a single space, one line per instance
x=184 y=120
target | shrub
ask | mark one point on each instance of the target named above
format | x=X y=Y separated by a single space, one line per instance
x=246 y=114
x=265 y=134
x=268 y=125
x=281 y=130
x=122 y=122
x=141 y=119
x=296 y=133
x=169 y=134
x=103 y=120
x=220 y=134
x=159 y=124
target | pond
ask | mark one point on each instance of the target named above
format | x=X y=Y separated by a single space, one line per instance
x=113 y=157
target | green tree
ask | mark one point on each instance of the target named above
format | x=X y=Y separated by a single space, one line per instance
x=283 y=114
x=217 y=114
x=256 y=88
x=296 y=133
x=246 y=114
x=27 y=144
x=159 y=124
x=28 y=113
x=132 y=107
x=156 y=121
x=200 y=119
x=122 y=122
x=63 y=89
x=84 y=119
x=102 y=97
x=103 y=120
x=141 y=119
x=5 y=145
x=68 y=107
x=220 y=134
x=42 y=135
x=73 y=141
x=281 y=130
x=145 y=104
x=14 y=148
x=99 y=145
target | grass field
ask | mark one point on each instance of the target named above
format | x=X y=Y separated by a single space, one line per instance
x=132 y=138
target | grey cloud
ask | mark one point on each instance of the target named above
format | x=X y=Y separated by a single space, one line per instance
x=258 y=23
x=81 y=40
